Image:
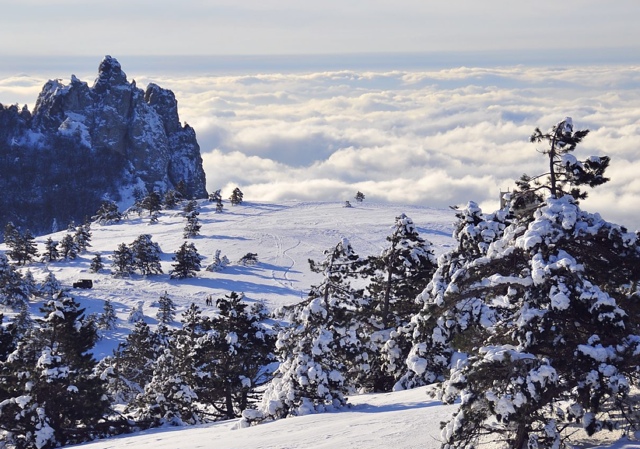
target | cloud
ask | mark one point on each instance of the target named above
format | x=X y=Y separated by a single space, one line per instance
x=430 y=137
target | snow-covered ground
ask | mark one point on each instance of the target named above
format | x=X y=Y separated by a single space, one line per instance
x=284 y=235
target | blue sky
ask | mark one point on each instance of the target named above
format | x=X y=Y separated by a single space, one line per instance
x=255 y=27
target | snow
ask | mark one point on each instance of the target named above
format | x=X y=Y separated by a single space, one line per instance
x=284 y=235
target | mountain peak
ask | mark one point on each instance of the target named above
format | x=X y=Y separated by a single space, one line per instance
x=109 y=74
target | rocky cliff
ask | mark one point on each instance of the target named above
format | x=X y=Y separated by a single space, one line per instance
x=104 y=140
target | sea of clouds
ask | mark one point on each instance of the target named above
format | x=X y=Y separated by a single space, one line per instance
x=436 y=137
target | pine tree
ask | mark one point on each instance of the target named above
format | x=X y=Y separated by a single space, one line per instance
x=234 y=357
x=136 y=314
x=171 y=199
x=107 y=214
x=168 y=398
x=53 y=398
x=11 y=235
x=130 y=367
x=166 y=309
x=151 y=203
x=566 y=174
x=215 y=196
x=192 y=228
x=430 y=333
x=82 y=237
x=236 y=197
x=50 y=251
x=219 y=263
x=49 y=287
x=13 y=292
x=122 y=261
x=359 y=197
x=324 y=349
x=108 y=319
x=219 y=206
x=146 y=255
x=188 y=262
x=96 y=264
x=68 y=247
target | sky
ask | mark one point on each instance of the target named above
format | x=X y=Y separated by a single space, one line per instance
x=255 y=27
x=416 y=102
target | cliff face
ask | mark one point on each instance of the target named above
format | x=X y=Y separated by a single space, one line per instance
x=138 y=132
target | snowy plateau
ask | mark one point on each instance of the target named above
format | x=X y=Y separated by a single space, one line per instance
x=284 y=236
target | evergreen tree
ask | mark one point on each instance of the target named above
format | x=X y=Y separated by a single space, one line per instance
x=188 y=262
x=561 y=344
x=11 y=235
x=122 y=261
x=82 y=237
x=151 y=203
x=108 y=319
x=166 y=309
x=136 y=314
x=107 y=214
x=215 y=196
x=49 y=287
x=68 y=247
x=236 y=197
x=566 y=174
x=359 y=197
x=13 y=292
x=23 y=248
x=234 y=357
x=430 y=332
x=219 y=263
x=130 y=367
x=96 y=264
x=171 y=199
x=192 y=228
x=146 y=255
x=324 y=349
x=219 y=206
x=50 y=251
x=53 y=398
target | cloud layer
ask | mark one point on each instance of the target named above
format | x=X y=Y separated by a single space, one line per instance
x=436 y=138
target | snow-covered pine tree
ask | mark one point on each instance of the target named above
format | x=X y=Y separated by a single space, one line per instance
x=53 y=399
x=324 y=349
x=22 y=247
x=235 y=357
x=359 y=197
x=50 y=253
x=108 y=319
x=13 y=292
x=236 y=197
x=188 y=262
x=82 y=237
x=192 y=228
x=68 y=248
x=219 y=263
x=166 y=309
x=145 y=254
x=396 y=277
x=130 y=367
x=151 y=203
x=168 y=398
x=430 y=332
x=171 y=199
x=554 y=341
x=96 y=264
x=107 y=214
x=49 y=287
x=122 y=261
x=136 y=314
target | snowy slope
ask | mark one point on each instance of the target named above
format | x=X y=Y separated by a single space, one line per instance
x=284 y=235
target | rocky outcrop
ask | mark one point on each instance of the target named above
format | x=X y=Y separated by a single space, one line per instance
x=113 y=120
x=115 y=115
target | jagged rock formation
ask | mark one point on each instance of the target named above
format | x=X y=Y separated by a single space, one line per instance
x=93 y=143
